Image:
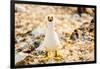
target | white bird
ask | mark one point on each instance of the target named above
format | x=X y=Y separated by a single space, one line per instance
x=51 y=41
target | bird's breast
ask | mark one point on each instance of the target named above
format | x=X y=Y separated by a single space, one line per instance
x=51 y=39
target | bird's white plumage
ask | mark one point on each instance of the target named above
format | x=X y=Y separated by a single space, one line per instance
x=51 y=39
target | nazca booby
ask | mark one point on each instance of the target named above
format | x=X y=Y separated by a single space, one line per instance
x=51 y=41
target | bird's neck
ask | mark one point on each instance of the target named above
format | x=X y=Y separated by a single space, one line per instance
x=50 y=26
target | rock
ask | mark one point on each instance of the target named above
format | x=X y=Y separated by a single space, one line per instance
x=29 y=50
x=36 y=44
x=20 y=56
x=74 y=36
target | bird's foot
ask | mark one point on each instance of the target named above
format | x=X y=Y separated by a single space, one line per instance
x=57 y=56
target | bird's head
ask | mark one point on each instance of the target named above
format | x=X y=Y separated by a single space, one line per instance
x=50 y=18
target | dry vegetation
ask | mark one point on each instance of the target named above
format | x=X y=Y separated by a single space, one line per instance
x=74 y=26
